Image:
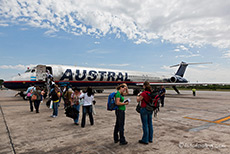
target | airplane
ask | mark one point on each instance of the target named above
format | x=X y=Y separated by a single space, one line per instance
x=97 y=78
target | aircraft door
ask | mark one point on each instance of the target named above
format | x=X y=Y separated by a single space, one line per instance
x=41 y=73
x=49 y=69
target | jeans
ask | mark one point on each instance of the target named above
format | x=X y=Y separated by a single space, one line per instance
x=119 y=126
x=77 y=107
x=36 y=105
x=162 y=101
x=31 y=104
x=55 y=108
x=59 y=101
x=89 y=110
x=147 y=125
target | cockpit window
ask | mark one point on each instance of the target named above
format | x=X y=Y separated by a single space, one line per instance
x=28 y=70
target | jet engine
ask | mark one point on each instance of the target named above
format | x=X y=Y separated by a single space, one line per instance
x=178 y=79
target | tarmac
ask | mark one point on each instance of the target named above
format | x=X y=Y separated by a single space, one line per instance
x=187 y=124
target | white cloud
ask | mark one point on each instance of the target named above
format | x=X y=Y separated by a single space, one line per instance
x=97 y=51
x=177 y=50
x=226 y=54
x=15 y=67
x=114 y=65
x=182 y=47
x=188 y=56
x=195 y=23
x=119 y=65
x=23 y=29
x=3 y=25
x=50 y=33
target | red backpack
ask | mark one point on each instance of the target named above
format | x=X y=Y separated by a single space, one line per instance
x=154 y=103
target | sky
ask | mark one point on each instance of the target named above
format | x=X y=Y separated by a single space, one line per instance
x=136 y=35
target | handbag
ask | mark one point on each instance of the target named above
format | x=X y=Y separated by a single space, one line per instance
x=71 y=112
x=28 y=94
x=48 y=103
x=138 y=108
x=34 y=98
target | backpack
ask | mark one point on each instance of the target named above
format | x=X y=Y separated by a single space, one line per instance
x=154 y=103
x=36 y=95
x=54 y=96
x=111 y=105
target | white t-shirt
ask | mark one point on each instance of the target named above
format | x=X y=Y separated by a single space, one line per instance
x=87 y=100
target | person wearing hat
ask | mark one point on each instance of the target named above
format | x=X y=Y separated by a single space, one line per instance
x=122 y=90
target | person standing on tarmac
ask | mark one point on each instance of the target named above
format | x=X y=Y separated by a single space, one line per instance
x=146 y=116
x=75 y=98
x=29 y=94
x=120 y=114
x=67 y=97
x=194 y=91
x=162 y=95
x=39 y=95
x=87 y=106
x=55 y=96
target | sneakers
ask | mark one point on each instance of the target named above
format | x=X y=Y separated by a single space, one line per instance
x=53 y=116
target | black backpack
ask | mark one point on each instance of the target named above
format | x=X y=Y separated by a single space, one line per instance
x=154 y=103
x=54 y=96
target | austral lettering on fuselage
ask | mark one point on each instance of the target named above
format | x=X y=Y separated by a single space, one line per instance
x=93 y=75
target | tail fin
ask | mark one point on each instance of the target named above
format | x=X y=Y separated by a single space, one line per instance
x=181 y=69
x=183 y=66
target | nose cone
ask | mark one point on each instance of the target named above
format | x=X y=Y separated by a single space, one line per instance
x=19 y=82
x=16 y=85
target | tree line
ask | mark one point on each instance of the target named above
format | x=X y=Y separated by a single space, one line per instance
x=207 y=87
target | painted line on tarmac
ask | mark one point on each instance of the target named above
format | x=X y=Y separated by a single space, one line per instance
x=223 y=119
x=8 y=131
x=219 y=121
